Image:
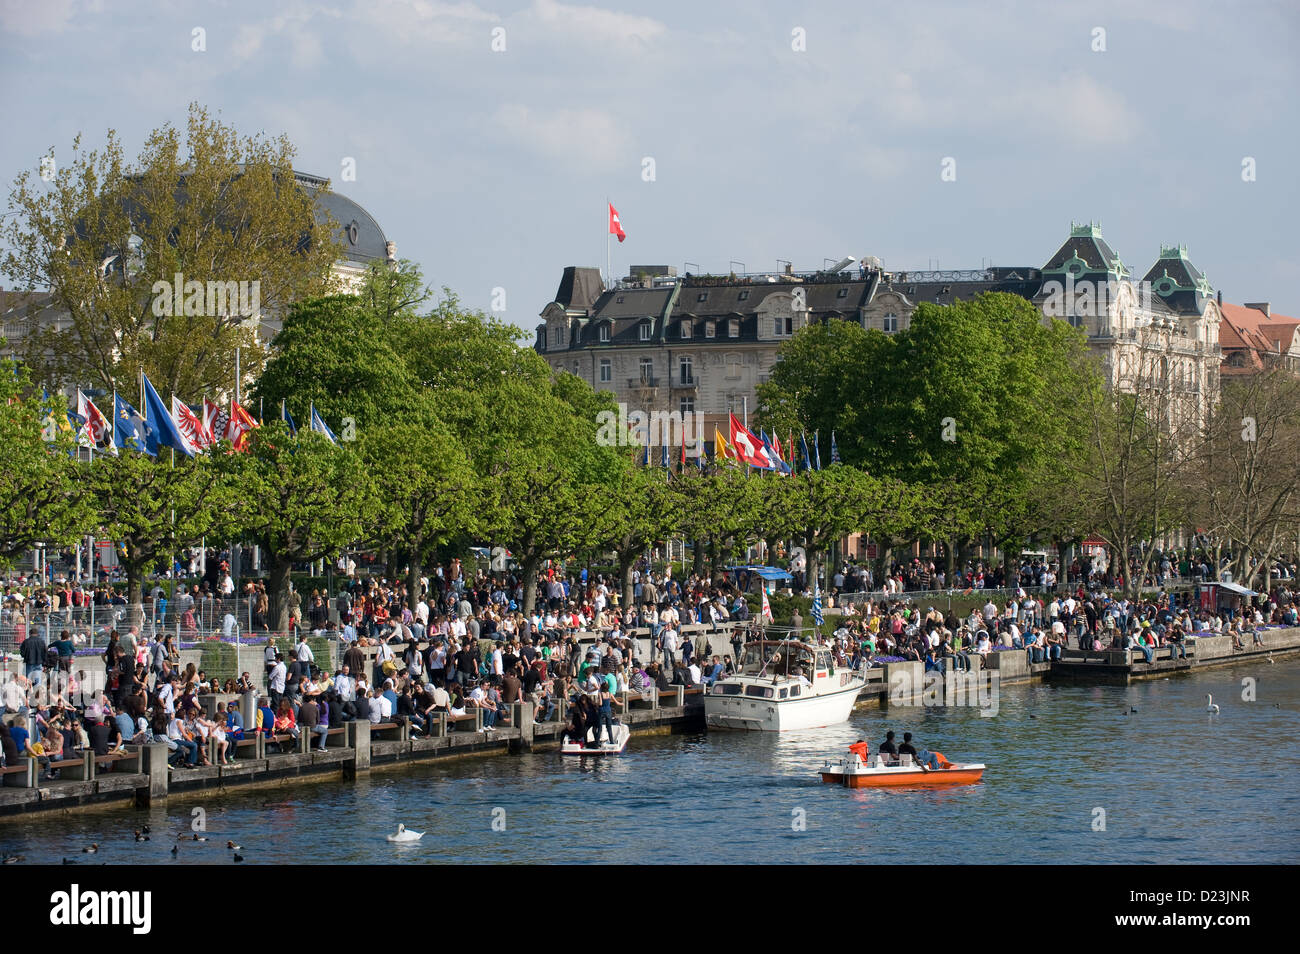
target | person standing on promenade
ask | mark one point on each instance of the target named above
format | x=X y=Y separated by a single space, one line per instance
x=276 y=681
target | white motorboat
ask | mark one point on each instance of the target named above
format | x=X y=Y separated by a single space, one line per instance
x=783 y=684
x=621 y=734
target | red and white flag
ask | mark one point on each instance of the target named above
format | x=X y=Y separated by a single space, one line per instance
x=241 y=423
x=214 y=422
x=96 y=432
x=615 y=227
x=749 y=449
x=767 y=607
x=189 y=425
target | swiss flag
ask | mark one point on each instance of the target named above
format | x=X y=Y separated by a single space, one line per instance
x=615 y=228
x=749 y=449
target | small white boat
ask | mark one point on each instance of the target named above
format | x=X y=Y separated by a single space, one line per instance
x=404 y=835
x=783 y=684
x=621 y=734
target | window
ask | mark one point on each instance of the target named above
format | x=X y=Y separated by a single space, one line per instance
x=842 y=293
x=733 y=328
x=645 y=331
x=782 y=695
x=606 y=370
x=784 y=326
x=686 y=371
x=760 y=692
x=1076 y=321
x=604 y=331
x=708 y=329
x=618 y=300
x=702 y=296
x=686 y=405
x=890 y=323
x=743 y=296
x=687 y=331
x=541 y=339
x=795 y=691
x=733 y=365
x=647 y=370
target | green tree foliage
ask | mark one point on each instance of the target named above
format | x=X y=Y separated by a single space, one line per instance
x=208 y=206
x=42 y=487
x=300 y=499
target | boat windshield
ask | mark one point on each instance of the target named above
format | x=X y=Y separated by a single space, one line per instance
x=777 y=659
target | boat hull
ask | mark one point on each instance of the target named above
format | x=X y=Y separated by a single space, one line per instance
x=903 y=777
x=746 y=713
x=621 y=735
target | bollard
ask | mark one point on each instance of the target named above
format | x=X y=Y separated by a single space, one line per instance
x=154 y=765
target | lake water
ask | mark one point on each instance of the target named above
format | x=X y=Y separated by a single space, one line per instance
x=1176 y=785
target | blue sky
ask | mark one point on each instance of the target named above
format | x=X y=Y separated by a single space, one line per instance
x=491 y=168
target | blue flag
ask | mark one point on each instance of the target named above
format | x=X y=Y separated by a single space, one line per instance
x=777 y=463
x=131 y=430
x=818 y=618
x=817 y=450
x=807 y=457
x=664 y=457
x=288 y=419
x=319 y=426
x=166 y=433
x=835 y=451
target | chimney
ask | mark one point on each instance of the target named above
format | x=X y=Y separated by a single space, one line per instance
x=1258 y=306
x=1220 y=296
x=390 y=249
x=789 y=268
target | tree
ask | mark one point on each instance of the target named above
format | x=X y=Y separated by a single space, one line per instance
x=108 y=239
x=634 y=513
x=1245 y=470
x=43 y=489
x=424 y=481
x=332 y=353
x=154 y=507
x=300 y=499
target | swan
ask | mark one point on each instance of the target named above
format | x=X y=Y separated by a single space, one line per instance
x=404 y=835
x=1209 y=703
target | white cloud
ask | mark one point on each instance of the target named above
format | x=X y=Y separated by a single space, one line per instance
x=587 y=137
x=1074 y=109
x=597 y=26
x=33 y=17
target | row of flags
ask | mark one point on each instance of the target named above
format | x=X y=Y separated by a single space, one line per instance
x=766 y=452
x=190 y=430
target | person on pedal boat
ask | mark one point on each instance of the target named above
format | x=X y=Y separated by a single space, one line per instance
x=887 y=749
x=924 y=758
x=862 y=751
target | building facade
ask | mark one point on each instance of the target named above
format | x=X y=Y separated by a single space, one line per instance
x=662 y=342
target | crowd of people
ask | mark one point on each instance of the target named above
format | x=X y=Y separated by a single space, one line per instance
x=467 y=645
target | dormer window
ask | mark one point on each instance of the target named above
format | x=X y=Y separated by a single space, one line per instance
x=842 y=293
x=702 y=296
x=604 y=332
x=733 y=328
x=708 y=329
x=618 y=300
x=686 y=330
x=644 y=331
x=541 y=338
x=743 y=296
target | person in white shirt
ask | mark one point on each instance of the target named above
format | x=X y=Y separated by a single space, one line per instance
x=304 y=652
x=345 y=686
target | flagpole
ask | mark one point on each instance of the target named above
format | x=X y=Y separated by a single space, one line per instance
x=236 y=375
x=609 y=268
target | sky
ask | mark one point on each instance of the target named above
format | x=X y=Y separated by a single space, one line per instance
x=731 y=135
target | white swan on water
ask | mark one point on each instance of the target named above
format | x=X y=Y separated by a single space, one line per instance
x=1209 y=703
x=404 y=835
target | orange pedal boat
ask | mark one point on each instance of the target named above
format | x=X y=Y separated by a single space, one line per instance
x=853 y=772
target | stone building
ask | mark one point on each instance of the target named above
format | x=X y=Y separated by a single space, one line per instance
x=663 y=342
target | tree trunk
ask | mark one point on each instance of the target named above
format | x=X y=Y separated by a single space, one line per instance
x=413 y=570
x=950 y=564
x=390 y=564
x=626 y=560
x=277 y=592
x=697 y=556
x=529 y=566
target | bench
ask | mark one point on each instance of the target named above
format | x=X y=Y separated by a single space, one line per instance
x=392 y=731
x=279 y=740
x=629 y=697
x=472 y=720
x=673 y=696
x=129 y=760
x=77 y=766
x=22 y=775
